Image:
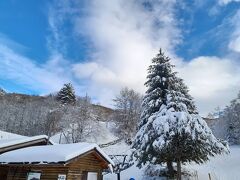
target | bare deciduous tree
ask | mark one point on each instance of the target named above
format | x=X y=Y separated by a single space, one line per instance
x=127 y=112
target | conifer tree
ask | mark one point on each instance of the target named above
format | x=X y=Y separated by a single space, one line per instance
x=67 y=94
x=171 y=129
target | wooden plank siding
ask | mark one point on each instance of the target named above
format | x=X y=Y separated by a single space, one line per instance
x=87 y=163
x=76 y=169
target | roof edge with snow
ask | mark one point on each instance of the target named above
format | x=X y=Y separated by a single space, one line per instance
x=52 y=154
x=21 y=141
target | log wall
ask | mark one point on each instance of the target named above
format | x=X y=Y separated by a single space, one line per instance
x=76 y=169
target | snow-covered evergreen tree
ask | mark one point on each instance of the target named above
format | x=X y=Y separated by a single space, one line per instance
x=67 y=94
x=158 y=73
x=159 y=80
x=171 y=129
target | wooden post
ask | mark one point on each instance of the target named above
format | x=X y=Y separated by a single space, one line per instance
x=209 y=176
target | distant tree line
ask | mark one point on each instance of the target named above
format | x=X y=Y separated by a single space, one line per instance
x=226 y=121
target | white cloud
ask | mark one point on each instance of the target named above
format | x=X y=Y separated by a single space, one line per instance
x=212 y=81
x=126 y=35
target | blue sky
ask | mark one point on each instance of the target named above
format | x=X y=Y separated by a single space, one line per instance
x=101 y=46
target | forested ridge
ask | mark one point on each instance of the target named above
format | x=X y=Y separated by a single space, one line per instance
x=30 y=114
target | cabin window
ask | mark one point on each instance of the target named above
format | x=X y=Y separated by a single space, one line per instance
x=33 y=176
x=92 y=176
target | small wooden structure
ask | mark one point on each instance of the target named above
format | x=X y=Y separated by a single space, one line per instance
x=76 y=161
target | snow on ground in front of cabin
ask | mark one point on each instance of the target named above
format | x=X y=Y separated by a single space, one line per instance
x=225 y=167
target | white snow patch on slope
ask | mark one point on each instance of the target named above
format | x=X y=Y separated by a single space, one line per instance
x=101 y=134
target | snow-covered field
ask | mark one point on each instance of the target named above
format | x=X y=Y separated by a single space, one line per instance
x=226 y=167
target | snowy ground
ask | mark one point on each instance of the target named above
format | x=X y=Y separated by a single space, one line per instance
x=225 y=167
x=122 y=148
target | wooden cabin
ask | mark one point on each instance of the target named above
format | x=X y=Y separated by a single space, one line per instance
x=79 y=161
x=22 y=142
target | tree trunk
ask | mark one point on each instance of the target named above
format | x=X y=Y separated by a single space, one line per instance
x=118 y=176
x=170 y=169
x=179 y=172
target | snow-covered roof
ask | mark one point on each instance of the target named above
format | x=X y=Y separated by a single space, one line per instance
x=19 y=140
x=7 y=135
x=51 y=153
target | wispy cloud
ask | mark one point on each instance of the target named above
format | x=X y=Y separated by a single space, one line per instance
x=24 y=71
x=61 y=15
x=234 y=43
x=224 y=2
